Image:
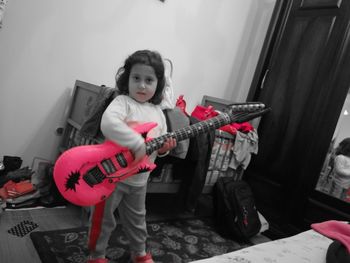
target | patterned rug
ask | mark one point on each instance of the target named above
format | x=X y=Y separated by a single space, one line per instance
x=171 y=242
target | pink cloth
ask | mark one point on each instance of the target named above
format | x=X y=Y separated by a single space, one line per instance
x=335 y=230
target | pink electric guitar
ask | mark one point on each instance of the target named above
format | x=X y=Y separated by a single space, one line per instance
x=86 y=175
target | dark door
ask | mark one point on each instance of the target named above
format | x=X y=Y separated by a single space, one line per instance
x=303 y=75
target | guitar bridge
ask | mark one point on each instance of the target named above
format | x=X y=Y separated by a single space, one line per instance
x=94 y=176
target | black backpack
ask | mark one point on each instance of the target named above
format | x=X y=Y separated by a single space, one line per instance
x=235 y=213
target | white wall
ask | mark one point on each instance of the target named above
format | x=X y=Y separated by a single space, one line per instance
x=45 y=45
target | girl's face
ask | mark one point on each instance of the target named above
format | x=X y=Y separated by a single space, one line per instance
x=142 y=82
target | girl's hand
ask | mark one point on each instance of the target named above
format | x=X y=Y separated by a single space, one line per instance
x=168 y=145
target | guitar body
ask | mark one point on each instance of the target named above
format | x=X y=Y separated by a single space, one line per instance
x=86 y=175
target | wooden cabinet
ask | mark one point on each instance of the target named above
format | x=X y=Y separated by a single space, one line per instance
x=303 y=76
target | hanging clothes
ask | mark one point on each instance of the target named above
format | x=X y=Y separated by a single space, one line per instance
x=245 y=144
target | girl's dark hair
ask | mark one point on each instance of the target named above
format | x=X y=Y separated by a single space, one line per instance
x=144 y=57
x=343 y=147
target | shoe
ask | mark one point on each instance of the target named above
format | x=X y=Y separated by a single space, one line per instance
x=98 y=260
x=143 y=259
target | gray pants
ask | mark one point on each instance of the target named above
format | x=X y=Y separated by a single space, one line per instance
x=131 y=204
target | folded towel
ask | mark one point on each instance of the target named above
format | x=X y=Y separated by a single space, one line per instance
x=333 y=229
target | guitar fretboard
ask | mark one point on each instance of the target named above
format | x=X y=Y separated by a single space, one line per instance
x=201 y=127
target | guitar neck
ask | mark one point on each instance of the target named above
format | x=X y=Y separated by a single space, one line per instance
x=201 y=127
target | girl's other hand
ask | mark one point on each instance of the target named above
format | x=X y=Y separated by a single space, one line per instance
x=168 y=145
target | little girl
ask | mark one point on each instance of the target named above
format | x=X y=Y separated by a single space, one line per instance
x=140 y=83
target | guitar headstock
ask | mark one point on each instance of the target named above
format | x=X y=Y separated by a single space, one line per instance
x=242 y=112
x=246 y=107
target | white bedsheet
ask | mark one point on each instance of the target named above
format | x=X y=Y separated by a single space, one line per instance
x=308 y=247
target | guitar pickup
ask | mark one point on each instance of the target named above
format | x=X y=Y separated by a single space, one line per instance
x=108 y=166
x=121 y=160
x=94 y=176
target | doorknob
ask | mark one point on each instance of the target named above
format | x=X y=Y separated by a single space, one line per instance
x=264 y=78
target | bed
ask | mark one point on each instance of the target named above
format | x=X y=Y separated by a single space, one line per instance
x=309 y=247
